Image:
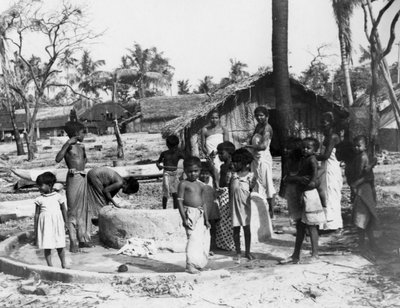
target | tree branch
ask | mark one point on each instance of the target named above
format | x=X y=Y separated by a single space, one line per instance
x=392 y=36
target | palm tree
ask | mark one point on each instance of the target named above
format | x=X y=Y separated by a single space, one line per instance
x=283 y=98
x=343 y=10
x=206 y=85
x=183 y=87
x=87 y=67
x=237 y=70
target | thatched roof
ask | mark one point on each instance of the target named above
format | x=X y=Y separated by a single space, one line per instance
x=167 y=107
x=221 y=96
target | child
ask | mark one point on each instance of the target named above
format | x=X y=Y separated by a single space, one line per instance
x=50 y=216
x=224 y=235
x=239 y=198
x=169 y=160
x=206 y=176
x=364 y=209
x=194 y=217
x=73 y=151
x=294 y=155
x=310 y=202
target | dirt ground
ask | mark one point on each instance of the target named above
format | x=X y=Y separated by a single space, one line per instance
x=342 y=278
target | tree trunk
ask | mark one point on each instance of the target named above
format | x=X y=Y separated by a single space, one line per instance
x=17 y=136
x=120 y=148
x=30 y=139
x=345 y=68
x=281 y=80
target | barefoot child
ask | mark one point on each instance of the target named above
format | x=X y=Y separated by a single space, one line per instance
x=239 y=198
x=224 y=231
x=73 y=151
x=50 y=216
x=169 y=162
x=364 y=208
x=310 y=202
x=209 y=197
x=194 y=217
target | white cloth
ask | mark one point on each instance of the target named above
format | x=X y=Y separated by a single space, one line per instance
x=262 y=169
x=212 y=142
x=331 y=184
x=260 y=222
x=51 y=227
x=137 y=247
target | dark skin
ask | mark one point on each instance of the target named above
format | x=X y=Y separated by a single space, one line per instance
x=214 y=127
x=74 y=153
x=330 y=140
x=190 y=192
x=111 y=190
x=168 y=161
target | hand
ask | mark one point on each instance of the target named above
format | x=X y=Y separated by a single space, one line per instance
x=207 y=224
x=73 y=140
x=160 y=167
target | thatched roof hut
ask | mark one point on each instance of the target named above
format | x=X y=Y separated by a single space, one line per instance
x=158 y=110
x=236 y=104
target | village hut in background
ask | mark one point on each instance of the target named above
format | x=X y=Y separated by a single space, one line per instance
x=236 y=104
x=99 y=119
x=388 y=131
x=157 y=111
x=49 y=122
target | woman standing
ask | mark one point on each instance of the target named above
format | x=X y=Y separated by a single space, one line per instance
x=262 y=163
x=331 y=175
x=212 y=135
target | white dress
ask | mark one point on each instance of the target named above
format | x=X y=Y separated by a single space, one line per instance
x=51 y=227
x=331 y=184
x=212 y=142
x=262 y=169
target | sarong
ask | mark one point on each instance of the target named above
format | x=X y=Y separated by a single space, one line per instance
x=262 y=169
x=198 y=238
x=260 y=222
x=313 y=213
x=170 y=183
x=212 y=142
x=364 y=208
x=224 y=234
x=79 y=219
x=331 y=185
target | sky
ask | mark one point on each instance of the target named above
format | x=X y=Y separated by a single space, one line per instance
x=200 y=36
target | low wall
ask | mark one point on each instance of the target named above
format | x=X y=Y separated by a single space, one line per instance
x=162 y=226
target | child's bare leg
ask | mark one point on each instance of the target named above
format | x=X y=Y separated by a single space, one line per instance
x=164 y=202
x=314 y=240
x=61 y=255
x=73 y=239
x=247 y=242
x=47 y=256
x=213 y=234
x=236 y=240
x=175 y=200
x=361 y=238
x=300 y=234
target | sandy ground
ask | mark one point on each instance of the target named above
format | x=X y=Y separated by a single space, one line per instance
x=342 y=277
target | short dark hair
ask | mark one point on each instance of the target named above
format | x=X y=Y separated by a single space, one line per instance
x=361 y=138
x=314 y=142
x=214 y=111
x=206 y=166
x=328 y=116
x=242 y=155
x=293 y=141
x=191 y=161
x=72 y=128
x=46 y=178
x=262 y=109
x=132 y=186
x=172 y=140
x=227 y=146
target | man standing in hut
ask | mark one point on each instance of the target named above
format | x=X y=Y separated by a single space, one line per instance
x=212 y=135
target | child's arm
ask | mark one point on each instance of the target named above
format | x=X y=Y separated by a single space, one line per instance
x=64 y=211
x=35 y=222
x=329 y=148
x=160 y=160
x=181 y=193
x=116 y=186
x=84 y=154
x=313 y=182
x=65 y=148
x=362 y=175
x=206 y=222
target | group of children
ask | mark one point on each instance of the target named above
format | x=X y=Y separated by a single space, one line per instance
x=305 y=203
x=210 y=198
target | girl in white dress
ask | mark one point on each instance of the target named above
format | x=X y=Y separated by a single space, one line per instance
x=50 y=217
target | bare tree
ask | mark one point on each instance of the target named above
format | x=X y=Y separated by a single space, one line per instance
x=378 y=54
x=63 y=32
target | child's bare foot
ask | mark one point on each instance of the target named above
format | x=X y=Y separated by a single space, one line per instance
x=211 y=253
x=290 y=259
x=249 y=256
x=192 y=270
x=238 y=258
